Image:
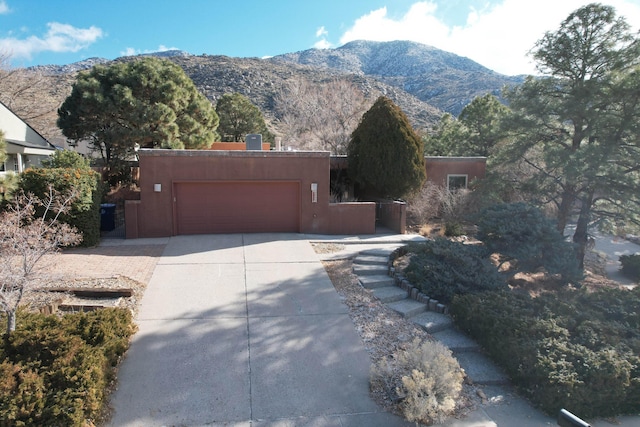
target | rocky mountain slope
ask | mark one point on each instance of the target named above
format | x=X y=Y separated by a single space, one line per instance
x=445 y=80
x=422 y=80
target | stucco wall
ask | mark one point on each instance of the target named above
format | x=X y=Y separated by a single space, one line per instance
x=155 y=212
x=438 y=168
x=352 y=218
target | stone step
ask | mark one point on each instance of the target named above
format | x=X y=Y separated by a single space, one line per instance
x=408 y=307
x=377 y=281
x=378 y=252
x=480 y=369
x=370 y=270
x=432 y=321
x=364 y=259
x=389 y=294
x=456 y=341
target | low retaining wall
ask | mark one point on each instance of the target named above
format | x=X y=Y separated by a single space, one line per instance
x=393 y=215
x=352 y=218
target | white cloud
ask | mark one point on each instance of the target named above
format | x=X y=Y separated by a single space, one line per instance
x=59 y=38
x=129 y=51
x=323 y=43
x=498 y=36
x=321 y=32
x=4 y=7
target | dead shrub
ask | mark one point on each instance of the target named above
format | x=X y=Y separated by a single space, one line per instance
x=426 y=379
x=435 y=201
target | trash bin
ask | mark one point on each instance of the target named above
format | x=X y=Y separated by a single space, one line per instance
x=107 y=216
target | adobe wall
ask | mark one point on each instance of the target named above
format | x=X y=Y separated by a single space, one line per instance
x=438 y=168
x=352 y=218
x=154 y=214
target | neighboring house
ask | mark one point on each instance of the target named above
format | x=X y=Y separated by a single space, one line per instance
x=454 y=172
x=25 y=146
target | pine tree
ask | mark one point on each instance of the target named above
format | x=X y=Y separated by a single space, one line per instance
x=146 y=103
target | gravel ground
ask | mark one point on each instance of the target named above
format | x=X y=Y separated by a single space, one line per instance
x=46 y=301
x=383 y=332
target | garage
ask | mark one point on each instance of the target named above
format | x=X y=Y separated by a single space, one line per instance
x=236 y=207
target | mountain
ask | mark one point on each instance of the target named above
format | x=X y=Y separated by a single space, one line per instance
x=422 y=80
x=442 y=79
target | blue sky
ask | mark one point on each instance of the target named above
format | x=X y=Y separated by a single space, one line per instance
x=495 y=33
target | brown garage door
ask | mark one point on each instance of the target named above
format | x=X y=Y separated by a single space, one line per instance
x=237 y=207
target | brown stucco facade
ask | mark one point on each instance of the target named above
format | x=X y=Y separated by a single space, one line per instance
x=164 y=174
x=211 y=191
x=440 y=168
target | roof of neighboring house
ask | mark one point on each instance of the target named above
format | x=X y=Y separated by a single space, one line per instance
x=20 y=133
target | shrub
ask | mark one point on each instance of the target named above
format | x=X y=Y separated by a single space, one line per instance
x=574 y=350
x=426 y=376
x=441 y=269
x=55 y=371
x=522 y=233
x=453 y=229
x=85 y=211
x=631 y=266
x=66 y=159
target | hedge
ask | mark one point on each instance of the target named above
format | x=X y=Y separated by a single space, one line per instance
x=56 y=371
x=85 y=211
x=575 y=350
x=441 y=269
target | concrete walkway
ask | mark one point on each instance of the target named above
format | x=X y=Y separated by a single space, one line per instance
x=244 y=330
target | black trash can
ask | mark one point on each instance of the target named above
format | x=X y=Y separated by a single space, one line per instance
x=107 y=216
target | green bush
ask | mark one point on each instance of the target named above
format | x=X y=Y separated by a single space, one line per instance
x=85 y=211
x=56 y=371
x=631 y=266
x=441 y=269
x=522 y=233
x=574 y=350
x=453 y=229
x=426 y=376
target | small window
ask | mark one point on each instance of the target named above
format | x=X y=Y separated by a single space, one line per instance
x=456 y=182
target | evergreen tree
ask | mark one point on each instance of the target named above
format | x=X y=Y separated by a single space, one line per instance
x=577 y=126
x=239 y=117
x=146 y=103
x=474 y=133
x=385 y=154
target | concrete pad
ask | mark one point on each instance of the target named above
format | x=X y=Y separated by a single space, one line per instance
x=188 y=292
x=481 y=369
x=291 y=290
x=432 y=321
x=389 y=294
x=371 y=260
x=165 y=380
x=408 y=307
x=204 y=249
x=477 y=418
x=370 y=270
x=377 y=281
x=307 y=366
x=277 y=248
x=377 y=419
x=506 y=408
x=456 y=341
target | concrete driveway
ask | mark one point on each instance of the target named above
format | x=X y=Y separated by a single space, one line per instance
x=241 y=330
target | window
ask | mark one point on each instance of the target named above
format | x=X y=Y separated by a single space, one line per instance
x=456 y=182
